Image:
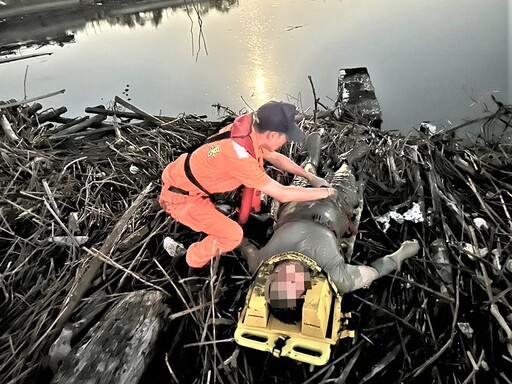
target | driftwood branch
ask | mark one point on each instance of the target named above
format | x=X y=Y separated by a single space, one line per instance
x=122 y=114
x=79 y=126
x=47 y=116
x=7 y=128
x=26 y=101
x=23 y=57
x=121 y=345
x=145 y=115
x=315 y=111
x=88 y=273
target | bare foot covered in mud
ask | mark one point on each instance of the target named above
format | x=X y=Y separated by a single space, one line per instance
x=407 y=249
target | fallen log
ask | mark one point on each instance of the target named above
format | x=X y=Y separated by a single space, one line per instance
x=152 y=119
x=89 y=271
x=104 y=128
x=26 y=101
x=32 y=109
x=68 y=124
x=121 y=345
x=122 y=114
x=47 y=116
x=79 y=126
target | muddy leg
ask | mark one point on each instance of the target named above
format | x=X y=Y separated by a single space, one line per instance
x=251 y=254
x=312 y=146
x=361 y=276
x=387 y=264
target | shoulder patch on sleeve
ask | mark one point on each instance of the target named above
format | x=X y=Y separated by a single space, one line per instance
x=240 y=151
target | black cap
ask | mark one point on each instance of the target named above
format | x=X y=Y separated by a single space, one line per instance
x=277 y=116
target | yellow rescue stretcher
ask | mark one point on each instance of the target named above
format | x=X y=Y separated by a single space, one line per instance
x=310 y=340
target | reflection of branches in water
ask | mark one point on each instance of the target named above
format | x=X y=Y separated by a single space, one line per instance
x=201 y=35
x=137 y=19
x=202 y=9
x=12 y=48
x=191 y=29
x=155 y=16
x=46 y=26
x=201 y=38
x=223 y=6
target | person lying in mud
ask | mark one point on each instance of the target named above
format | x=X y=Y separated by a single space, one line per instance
x=313 y=231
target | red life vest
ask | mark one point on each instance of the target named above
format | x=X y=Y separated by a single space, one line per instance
x=241 y=134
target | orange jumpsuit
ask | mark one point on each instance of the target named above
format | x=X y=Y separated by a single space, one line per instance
x=220 y=166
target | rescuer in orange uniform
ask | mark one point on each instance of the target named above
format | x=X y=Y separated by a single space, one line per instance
x=228 y=160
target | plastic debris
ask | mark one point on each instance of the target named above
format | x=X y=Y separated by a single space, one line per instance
x=225 y=208
x=473 y=252
x=466 y=329
x=69 y=240
x=428 y=128
x=496 y=259
x=480 y=223
x=173 y=248
x=60 y=349
x=414 y=214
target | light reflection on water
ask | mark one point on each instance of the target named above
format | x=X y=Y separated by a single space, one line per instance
x=260 y=80
x=428 y=61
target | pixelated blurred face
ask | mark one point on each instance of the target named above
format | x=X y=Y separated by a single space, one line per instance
x=290 y=282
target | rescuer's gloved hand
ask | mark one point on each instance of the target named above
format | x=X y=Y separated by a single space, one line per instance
x=317 y=182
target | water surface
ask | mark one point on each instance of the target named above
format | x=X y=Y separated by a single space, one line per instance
x=438 y=60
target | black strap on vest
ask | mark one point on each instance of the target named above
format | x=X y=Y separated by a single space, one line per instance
x=218 y=137
x=191 y=176
x=188 y=170
x=177 y=190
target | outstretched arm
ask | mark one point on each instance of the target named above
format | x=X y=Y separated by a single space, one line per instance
x=285 y=164
x=285 y=194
